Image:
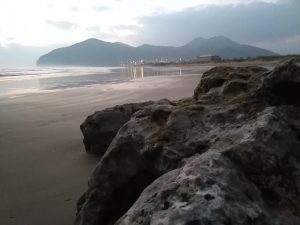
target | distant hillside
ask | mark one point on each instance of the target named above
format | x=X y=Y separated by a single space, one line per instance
x=94 y=52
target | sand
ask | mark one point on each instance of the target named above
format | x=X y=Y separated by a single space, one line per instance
x=43 y=165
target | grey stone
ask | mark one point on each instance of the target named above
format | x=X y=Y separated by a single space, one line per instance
x=101 y=127
x=230 y=155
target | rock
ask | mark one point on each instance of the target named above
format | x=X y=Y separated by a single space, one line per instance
x=284 y=83
x=100 y=128
x=225 y=77
x=229 y=155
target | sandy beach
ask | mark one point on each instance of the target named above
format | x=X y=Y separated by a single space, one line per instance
x=44 y=167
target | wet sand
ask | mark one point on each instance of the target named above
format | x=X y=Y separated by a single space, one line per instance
x=43 y=165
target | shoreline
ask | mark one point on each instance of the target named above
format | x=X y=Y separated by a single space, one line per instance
x=70 y=78
x=44 y=164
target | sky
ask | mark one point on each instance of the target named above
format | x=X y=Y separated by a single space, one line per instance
x=44 y=24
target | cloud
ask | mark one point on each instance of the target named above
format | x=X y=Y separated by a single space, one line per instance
x=290 y=45
x=94 y=28
x=165 y=22
x=120 y=33
x=75 y=8
x=126 y=27
x=250 y=23
x=98 y=32
x=65 y=25
x=101 y=8
x=15 y=54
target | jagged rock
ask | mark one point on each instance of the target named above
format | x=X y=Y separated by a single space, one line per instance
x=232 y=79
x=230 y=155
x=100 y=128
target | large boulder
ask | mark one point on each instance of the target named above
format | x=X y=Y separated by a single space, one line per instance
x=232 y=79
x=101 y=127
x=228 y=155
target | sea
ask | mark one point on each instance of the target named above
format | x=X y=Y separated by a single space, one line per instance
x=15 y=81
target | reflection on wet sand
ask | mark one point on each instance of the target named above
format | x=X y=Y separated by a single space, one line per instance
x=138 y=72
x=72 y=78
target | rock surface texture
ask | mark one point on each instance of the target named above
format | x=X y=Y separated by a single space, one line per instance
x=230 y=155
x=100 y=128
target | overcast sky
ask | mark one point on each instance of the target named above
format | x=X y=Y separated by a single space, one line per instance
x=273 y=24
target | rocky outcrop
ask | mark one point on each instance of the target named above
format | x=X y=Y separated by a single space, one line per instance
x=229 y=155
x=100 y=128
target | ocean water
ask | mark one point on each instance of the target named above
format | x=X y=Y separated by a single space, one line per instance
x=14 y=81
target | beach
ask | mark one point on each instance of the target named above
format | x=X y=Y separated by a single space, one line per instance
x=44 y=167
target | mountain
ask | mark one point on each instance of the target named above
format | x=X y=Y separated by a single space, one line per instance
x=94 y=52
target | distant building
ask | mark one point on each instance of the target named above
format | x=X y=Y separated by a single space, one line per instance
x=208 y=58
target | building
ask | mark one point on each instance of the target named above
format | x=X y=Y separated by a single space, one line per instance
x=208 y=58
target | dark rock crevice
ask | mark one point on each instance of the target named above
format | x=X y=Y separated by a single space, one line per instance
x=124 y=196
x=286 y=93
